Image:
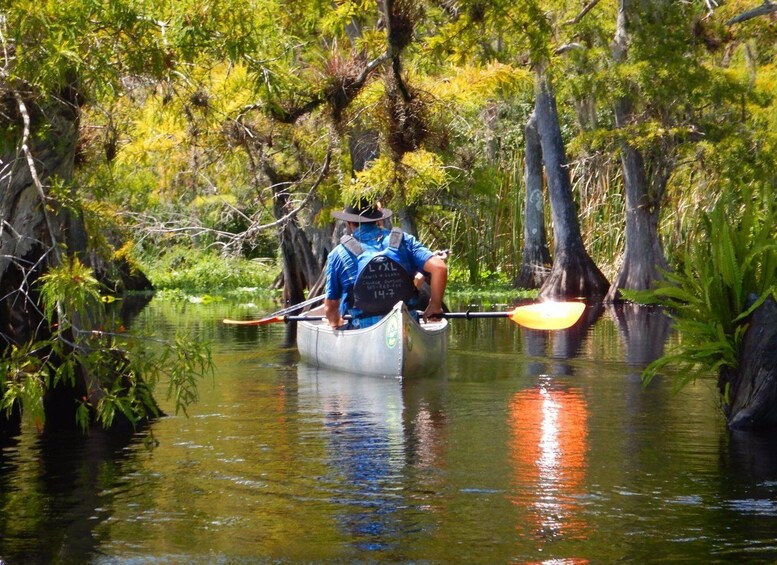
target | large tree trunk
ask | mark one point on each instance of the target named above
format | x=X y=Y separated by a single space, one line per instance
x=573 y=273
x=644 y=258
x=30 y=233
x=35 y=232
x=34 y=226
x=752 y=387
x=301 y=269
x=535 y=263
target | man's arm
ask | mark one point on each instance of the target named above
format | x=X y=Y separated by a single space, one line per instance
x=332 y=312
x=438 y=273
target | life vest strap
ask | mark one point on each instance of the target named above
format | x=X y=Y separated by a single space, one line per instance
x=352 y=244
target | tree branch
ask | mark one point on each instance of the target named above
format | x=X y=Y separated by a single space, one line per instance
x=767 y=7
x=150 y=226
x=582 y=14
x=34 y=174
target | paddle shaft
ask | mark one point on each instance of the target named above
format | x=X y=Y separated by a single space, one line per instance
x=469 y=314
x=294 y=307
x=541 y=316
x=465 y=315
x=278 y=316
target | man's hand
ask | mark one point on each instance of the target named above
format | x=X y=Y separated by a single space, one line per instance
x=433 y=312
x=332 y=312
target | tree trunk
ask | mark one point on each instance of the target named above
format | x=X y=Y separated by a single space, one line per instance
x=364 y=147
x=35 y=231
x=752 y=387
x=644 y=259
x=535 y=263
x=300 y=268
x=573 y=273
x=34 y=226
x=27 y=235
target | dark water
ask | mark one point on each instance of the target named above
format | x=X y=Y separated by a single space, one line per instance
x=530 y=447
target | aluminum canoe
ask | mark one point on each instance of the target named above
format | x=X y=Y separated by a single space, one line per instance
x=397 y=346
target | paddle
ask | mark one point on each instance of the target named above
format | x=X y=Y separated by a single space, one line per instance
x=278 y=316
x=539 y=316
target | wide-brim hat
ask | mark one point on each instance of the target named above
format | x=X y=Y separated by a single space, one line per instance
x=363 y=212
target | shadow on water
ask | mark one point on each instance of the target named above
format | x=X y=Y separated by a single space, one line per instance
x=64 y=494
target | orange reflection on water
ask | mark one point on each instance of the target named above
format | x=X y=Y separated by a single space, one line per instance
x=548 y=445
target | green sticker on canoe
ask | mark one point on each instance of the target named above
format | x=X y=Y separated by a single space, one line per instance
x=392 y=332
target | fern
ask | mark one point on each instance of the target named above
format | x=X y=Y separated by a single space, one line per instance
x=726 y=272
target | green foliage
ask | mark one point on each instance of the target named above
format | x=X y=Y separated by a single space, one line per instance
x=69 y=293
x=177 y=129
x=726 y=272
x=193 y=269
x=22 y=381
x=418 y=177
x=496 y=290
x=117 y=372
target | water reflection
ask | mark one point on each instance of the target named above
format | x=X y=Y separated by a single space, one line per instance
x=534 y=447
x=425 y=423
x=569 y=343
x=365 y=448
x=548 y=443
x=644 y=329
x=52 y=515
x=548 y=448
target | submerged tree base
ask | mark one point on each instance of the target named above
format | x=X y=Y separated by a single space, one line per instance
x=750 y=391
x=574 y=275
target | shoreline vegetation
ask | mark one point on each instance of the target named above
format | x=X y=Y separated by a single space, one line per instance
x=196 y=275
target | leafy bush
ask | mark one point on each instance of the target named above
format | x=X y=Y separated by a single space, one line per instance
x=116 y=372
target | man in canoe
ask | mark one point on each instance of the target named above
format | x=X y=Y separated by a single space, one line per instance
x=373 y=268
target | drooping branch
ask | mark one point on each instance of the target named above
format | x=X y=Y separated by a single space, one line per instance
x=767 y=7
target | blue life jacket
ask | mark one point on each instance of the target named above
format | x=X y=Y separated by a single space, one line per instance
x=382 y=278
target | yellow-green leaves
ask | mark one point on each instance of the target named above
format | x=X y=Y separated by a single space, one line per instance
x=416 y=177
x=69 y=290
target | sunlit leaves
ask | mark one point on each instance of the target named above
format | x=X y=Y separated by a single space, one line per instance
x=470 y=87
x=69 y=290
x=418 y=176
x=93 y=41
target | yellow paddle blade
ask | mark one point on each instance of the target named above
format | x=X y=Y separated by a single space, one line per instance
x=548 y=315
